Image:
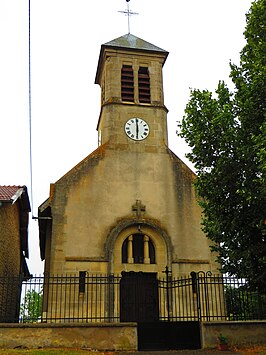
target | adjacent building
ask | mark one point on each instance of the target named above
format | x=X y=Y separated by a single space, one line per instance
x=14 y=218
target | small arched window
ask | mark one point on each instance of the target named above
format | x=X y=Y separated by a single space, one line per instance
x=138 y=249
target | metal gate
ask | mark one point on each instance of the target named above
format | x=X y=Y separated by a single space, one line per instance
x=149 y=302
x=139 y=301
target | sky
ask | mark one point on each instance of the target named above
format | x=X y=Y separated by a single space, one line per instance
x=201 y=36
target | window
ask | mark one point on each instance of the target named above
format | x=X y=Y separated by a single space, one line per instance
x=144 y=85
x=99 y=137
x=82 y=281
x=138 y=249
x=103 y=92
x=127 y=83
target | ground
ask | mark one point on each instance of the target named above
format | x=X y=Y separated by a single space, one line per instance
x=253 y=350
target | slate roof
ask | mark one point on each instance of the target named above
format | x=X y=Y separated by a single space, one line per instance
x=133 y=42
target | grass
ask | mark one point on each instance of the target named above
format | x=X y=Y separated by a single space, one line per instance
x=251 y=350
x=53 y=352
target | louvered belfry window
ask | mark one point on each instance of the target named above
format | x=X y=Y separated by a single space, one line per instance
x=127 y=83
x=144 y=85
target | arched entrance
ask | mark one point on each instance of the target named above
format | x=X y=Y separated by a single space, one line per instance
x=135 y=245
x=138 y=250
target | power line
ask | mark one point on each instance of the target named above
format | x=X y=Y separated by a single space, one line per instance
x=30 y=125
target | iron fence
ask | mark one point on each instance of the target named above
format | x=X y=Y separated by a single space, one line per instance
x=206 y=297
x=100 y=298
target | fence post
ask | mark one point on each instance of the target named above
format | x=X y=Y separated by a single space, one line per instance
x=167 y=273
x=196 y=292
x=110 y=297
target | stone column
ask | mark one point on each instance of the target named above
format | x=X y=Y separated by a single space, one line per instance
x=135 y=73
x=146 y=250
x=130 y=258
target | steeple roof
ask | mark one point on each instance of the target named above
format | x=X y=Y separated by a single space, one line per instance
x=129 y=42
x=132 y=42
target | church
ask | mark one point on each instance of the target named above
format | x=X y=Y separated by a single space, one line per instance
x=130 y=205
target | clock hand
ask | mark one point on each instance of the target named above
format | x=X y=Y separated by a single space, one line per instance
x=137 y=128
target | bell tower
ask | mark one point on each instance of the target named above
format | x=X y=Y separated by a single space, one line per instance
x=132 y=104
x=130 y=204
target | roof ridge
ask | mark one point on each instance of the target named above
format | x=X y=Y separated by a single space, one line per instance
x=18 y=186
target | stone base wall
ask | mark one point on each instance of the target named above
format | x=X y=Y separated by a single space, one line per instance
x=120 y=336
x=237 y=333
x=88 y=336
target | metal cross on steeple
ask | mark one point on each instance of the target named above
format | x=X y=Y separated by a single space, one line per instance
x=128 y=13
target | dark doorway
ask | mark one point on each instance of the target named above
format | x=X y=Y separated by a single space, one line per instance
x=169 y=335
x=139 y=300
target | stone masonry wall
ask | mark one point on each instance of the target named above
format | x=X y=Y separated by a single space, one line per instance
x=9 y=262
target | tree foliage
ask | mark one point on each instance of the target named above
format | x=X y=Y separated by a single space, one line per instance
x=31 y=308
x=226 y=132
x=243 y=304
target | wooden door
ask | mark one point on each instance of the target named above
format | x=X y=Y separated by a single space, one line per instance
x=139 y=300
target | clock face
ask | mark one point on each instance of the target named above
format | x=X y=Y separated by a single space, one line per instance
x=137 y=129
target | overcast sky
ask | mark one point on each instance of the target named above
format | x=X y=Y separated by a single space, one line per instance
x=202 y=36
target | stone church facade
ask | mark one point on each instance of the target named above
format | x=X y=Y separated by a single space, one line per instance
x=130 y=205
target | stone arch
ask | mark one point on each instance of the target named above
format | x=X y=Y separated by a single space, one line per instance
x=127 y=226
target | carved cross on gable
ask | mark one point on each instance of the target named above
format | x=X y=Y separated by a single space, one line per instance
x=138 y=208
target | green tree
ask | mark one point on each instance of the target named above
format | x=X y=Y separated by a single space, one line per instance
x=31 y=308
x=226 y=134
x=243 y=304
